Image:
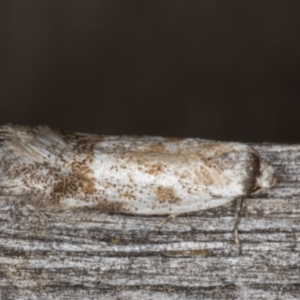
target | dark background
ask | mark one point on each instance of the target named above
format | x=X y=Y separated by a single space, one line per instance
x=227 y=70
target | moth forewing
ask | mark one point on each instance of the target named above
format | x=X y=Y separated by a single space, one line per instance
x=164 y=182
x=135 y=175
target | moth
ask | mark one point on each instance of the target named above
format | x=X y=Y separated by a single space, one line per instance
x=140 y=175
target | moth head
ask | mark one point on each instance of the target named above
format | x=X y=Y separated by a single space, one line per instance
x=266 y=178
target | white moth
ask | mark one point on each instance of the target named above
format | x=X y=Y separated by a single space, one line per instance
x=126 y=174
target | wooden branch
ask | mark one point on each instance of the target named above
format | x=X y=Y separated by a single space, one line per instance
x=92 y=255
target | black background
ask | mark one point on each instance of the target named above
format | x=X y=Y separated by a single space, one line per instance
x=225 y=70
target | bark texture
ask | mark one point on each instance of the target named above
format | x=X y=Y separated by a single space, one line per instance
x=92 y=255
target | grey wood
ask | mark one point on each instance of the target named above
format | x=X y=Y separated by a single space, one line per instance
x=92 y=255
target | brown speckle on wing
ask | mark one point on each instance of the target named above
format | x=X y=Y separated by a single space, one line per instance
x=153 y=168
x=166 y=194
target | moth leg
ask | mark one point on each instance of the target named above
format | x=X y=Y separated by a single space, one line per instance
x=165 y=220
x=236 y=224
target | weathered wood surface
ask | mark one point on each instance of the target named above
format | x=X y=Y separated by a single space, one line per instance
x=91 y=255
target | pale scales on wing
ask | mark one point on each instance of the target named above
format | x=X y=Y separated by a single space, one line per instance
x=137 y=175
